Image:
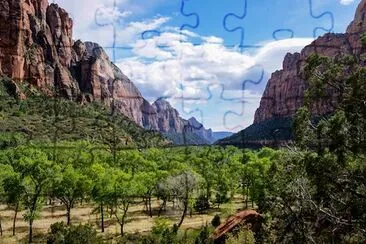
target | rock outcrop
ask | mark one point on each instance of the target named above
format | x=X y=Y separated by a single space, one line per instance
x=36 y=47
x=169 y=122
x=285 y=90
x=250 y=219
x=284 y=93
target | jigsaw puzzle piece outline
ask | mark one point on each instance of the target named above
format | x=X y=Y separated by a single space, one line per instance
x=241 y=16
x=242 y=99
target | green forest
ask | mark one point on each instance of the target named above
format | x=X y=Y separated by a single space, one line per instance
x=54 y=151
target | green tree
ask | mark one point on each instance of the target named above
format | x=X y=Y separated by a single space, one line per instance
x=70 y=186
x=14 y=192
x=125 y=189
x=102 y=186
x=37 y=170
x=6 y=171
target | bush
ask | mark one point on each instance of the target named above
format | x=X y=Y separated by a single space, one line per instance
x=201 y=204
x=78 y=234
x=162 y=233
x=204 y=236
x=216 y=221
x=160 y=226
x=243 y=236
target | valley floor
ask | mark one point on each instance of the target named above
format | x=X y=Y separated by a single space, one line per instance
x=138 y=220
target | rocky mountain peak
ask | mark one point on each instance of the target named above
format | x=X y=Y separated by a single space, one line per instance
x=162 y=105
x=36 y=46
x=284 y=93
x=359 y=23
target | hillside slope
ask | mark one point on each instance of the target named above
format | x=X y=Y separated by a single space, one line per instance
x=41 y=118
x=37 y=48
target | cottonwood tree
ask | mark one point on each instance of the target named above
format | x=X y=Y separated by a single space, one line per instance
x=69 y=186
x=122 y=194
x=38 y=171
x=6 y=171
x=183 y=186
x=102 y=186
x=14 y=193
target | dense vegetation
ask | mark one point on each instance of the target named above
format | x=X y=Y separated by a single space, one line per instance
x=313 y=192
x=273 y=132
x=52 y=119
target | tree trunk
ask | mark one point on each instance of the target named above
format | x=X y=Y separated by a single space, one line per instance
x=150 y=210
x=247 y=197
x=102 y=215
x=68 y=214
x=122 y=220
x=1 y=226
x=121 y=225
x=184 y=213
x=208 y=192
x=15 y=217
x=30 y=238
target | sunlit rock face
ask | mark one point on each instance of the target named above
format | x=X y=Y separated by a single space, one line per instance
x=36 y=46
x=284 y=93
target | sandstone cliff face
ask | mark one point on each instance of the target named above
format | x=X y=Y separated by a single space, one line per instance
x=200 y=130
x=169 y=121
x=284 y=93
x=168 y=117
x=36 y=47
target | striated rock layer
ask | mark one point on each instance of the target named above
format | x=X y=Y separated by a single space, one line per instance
x=36 y=47
x=284 y=93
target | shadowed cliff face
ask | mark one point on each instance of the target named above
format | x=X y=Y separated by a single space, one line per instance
x=284 y=93
x=36 y=47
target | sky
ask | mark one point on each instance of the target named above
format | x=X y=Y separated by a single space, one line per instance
x=210 y=59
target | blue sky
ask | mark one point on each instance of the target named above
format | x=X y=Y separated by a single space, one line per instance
x=201 y=69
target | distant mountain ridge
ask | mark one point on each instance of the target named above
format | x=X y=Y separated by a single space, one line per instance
x=36 y=46
x=217 y=135
x=284 y=93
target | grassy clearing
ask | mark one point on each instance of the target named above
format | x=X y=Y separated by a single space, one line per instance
x=138 y=220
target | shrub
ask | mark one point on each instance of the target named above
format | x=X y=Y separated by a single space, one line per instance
x=243 y=236
x=162 y=233
x=204 y=236
x=216 y=221
x=77 y=234
x=201 y=204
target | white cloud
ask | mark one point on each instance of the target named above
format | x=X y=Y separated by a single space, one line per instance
x=96 y=21
x=346 y=2
x=166 y=62
x=177 y=62
x=201 y=65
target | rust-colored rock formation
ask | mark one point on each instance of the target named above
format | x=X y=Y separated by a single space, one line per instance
x=36 y=47
x=284 y=93
x=250 y=218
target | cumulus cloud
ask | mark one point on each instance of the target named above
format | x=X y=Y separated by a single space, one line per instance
x=346 y=2
x=178 y=62
x=100 y=19
x=208 y=77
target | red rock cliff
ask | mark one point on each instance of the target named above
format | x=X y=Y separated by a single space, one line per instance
x=36 y=47
x=284 y=93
